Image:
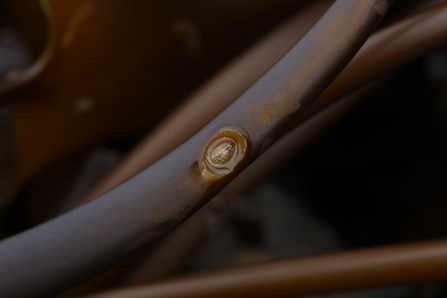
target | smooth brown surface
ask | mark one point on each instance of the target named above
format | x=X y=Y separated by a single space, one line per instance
x=196 y=229
x=112 y=69
x=431 y=20
x=372 y=267
x=411 y=255
x=161 y=259
x=123 y=221
x=384 y=51
x=33 y=21
x=211 y=99
x=208 y=102
x=387 y=49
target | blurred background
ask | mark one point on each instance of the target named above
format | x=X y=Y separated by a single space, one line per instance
x=82 y=82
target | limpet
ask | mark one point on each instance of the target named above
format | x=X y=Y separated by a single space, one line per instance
x=224 y=152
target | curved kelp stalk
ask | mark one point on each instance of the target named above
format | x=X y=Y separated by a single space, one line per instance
x=362 y=268
x=78 y=245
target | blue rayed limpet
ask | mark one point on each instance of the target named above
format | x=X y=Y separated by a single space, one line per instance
x=224 y=152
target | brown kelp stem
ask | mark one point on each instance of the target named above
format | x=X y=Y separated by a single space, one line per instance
x=388 y=265
x=387 y=49
x=90 y=239
x=409 y=37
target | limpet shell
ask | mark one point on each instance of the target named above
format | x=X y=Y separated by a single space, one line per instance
x=224 y=152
